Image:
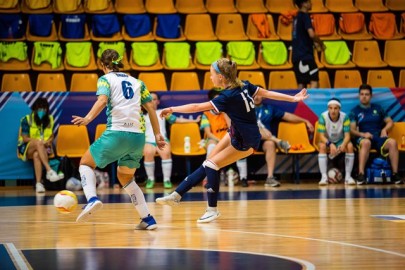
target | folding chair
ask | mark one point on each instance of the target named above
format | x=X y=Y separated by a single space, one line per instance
x=105 y=27
x=284 y=31
x=47 y=56
x=12 y=27
x=207 y=85
x=99 y=7
x=384 y=26
x=67 y=6
x=401 y=82
x=137 y=27
x=100 y=128
x=395 y=5
x=274 y=55
x=167 y=27
x=352 y=26
x=119 y=47
x=398 y=134
x=36 y=7
x=324 y=81
x=318 y=7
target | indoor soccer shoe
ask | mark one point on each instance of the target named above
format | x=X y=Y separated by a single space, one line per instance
x=167 y=184
x=209 y=216
x=52 y=176
x=350 y=181
x=171 y=199
x=150 y=184
x=148 y=223
x=89 y=209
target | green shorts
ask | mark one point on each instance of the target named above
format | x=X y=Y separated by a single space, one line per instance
x=124 y=147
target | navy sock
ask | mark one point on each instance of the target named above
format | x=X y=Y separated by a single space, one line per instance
x=212 y=186
x=192 y=180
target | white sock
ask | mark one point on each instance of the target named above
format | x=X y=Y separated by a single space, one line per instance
x=167 y=169
x=323 y=164
x=210 y=148
x=88 y=181
x=150 y=170
x=242 y=167
x=137 y=198
x=349 y=161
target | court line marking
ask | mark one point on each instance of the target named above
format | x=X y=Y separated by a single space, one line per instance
x=17 y=257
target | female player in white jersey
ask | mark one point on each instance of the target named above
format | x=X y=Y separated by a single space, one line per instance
x=124 y=138
x=236 y=100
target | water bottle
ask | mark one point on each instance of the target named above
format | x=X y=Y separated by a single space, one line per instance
x=187 y=145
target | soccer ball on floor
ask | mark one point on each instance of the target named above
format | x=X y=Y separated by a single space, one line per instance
x=65 y=201
x=334 y=176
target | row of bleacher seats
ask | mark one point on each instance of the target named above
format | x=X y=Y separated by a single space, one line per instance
x=197 y=27
x=147 y=56
x=188 y=81
x=195 y=6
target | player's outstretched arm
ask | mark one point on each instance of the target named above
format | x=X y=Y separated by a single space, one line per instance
x=302 y=95
x=189 y=108
x=95 y=110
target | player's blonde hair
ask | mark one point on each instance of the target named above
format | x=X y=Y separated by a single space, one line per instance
x=111 y=60
x=228 y=69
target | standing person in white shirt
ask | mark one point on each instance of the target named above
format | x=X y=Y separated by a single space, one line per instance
x=151 y=148
x=124 y=138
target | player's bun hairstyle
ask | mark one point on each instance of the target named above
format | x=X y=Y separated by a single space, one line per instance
x=365 y=86
x=229 y=69
x=111 y=60
x=300 y=2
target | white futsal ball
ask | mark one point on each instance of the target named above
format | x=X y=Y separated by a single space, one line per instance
x=65 y=201
x=334 y=176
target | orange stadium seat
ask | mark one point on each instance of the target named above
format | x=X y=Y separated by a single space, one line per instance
x=347 y=78
x=220 y=6
x=83 y=82
x=381 y=78
x=154 y=81
x=16 y=82
x=185 y=81
x=51 y=82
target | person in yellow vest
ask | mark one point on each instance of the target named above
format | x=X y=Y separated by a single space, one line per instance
x=35 y=142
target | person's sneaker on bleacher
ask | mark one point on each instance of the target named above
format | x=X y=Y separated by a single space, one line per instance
x=171 y=199
x=361 y=179
x=210 y=214
x=397 y=179
x=167 y=184
x=147 y=223
x=271 y=182
x=89 y=209
x=52 y=176
x=150 y=184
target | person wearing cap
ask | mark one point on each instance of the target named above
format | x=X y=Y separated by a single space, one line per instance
x=370 y=125
x=334 y=136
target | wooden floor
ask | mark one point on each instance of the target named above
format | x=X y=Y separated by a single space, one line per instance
x=263 y=228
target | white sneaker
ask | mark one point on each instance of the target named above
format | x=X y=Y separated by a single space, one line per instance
x=324 y=181
x=89 y=209
x=171 y=199
x=209 y=216
x=52 y=176
x=350 y=181
x=39 y=188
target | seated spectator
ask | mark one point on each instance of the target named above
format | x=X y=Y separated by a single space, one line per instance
x=334 y=134
x=151 y=149
x=35 y=142
x=370 y=124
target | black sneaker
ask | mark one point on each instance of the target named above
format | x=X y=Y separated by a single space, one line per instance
x=361 y=179
x=244 y=182
x=397 y=179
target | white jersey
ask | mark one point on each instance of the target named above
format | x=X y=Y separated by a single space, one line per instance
x=125 y=97
x=149 y=136
x=334 y=131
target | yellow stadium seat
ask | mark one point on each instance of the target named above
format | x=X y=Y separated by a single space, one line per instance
x=381 y=78
x=316 y=138
x=253 y=33
x=230 y=27
x=160 y=6
x=16 y=82
x=282 y=80
x=363 y=34
x=255 y=77
x=220 y=6
x=51 y=82
x=67 y=6
x=84 y=82
x=250 y=6
x=154 y=81
x=98 y=7
x=14 y=64
x=130 y=6
x=90 y=67
x=184 y=81
x=199 y=27
x=370 y=5
x=318 y=6
x=339 y=6
x=366 y=54
x=53 y=36
x=42 y=7
x=396 y=5
x=347 y=79
x=72 y=141
x=402 y=78
x=181 y=37
x=100 y=128
x=324 y=81
x=264 y=65
x=280 y=6
x=284 y=31
x=394 y=54
x=85 y=38
x=207 y=81
x=190 y=6
x=398 y=133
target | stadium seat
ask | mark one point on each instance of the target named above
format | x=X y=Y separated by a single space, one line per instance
x=130 y=6
x=381 y=78
x=16 y=82
x=184 y=81
x=199 y=27
x=255 y=77
x=347 y=78
x=253 y=33
x=318 y=6
x=339 y=6
x=100 y=128
x=336 y=55
x=325 y=26
x=243 y=53
x=316 y=138
x=398 y=134
x=394 y=54
x=176 y=56
x=250 y=6
x=66 y=24
x=51 y=82
x=72 y=141
x=366 y=54
x=14 y=56
x=383 y=26
x=36 y=7
x=282 y=80
x=99 y=7
x=277 y=55
x=370 y=5
x=280 y=6
x=190 y=6
x=154 y=81
x=206 y=52
x=47 y=56
x=401 y=82
x=166 y=26
x=284 y=31
x=67 y=6
x=12 y=6
x=395 y=5
x=324 y=81
x=160 y=6
x=207 y=85
x=145 y=56
x=230 y=27
x=40 y=23
x=102 y=23
x=137 y=27
x=12 y=27
x=220 y=6
x=352 y=26
x=83 y=82
x=76 y=49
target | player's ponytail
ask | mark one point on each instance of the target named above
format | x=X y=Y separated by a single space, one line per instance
x=111 y=60
x=229 y=69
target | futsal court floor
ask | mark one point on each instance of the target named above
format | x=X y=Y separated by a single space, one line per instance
x=295 y=226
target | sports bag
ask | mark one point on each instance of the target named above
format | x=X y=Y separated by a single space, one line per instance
x=379 y=172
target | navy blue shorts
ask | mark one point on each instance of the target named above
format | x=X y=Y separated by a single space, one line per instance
x=244 y=143
x=377 y=143
x=306 y=71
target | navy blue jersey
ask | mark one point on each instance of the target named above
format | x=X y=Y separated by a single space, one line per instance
x=238 y=104
x=302 y=43
x=369 y=119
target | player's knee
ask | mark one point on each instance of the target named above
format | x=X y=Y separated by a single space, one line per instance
x=125 y=174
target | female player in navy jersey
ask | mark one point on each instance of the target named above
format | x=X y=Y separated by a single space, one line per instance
x=236 y=100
